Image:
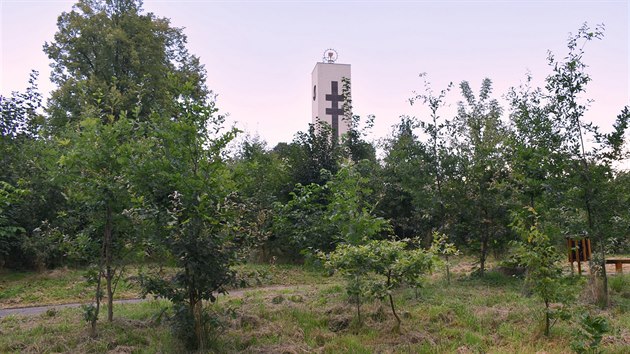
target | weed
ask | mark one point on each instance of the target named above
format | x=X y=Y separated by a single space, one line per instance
x=472 y=315
x=620 y=283
x=589 y=334
x=277 y=299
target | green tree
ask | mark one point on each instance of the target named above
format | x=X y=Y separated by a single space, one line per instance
x=406 y=185
x=437 y=152
x=544 y=269
x=317 y=218
x=377 y=267
x=260 y=173
x=310 y=153
x=589 y=167
x=19 y=116
x=534 y=148
x=350 y=208
x=262 y=179
x=442 y=248
x=201 y=218
x=356 y=148
x=9 y=230
x=483 y=194
x=108 y=50
x=27 y=159
x=618 y=194
x=118 y=73
x=94 y=169
x=16 y=117
x=303 y=223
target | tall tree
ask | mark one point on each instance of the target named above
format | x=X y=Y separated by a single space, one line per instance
x=27 y=158
x=479 y=143
x=16 y=113
x=406 y=182
x=588 y=166
x=262 y=178
x=534 y=148
x=357 y=148
x=200 y=216
x=109 y=50
x=435 y=128
x=311 y=152
x=94 y=169
x=116 y=69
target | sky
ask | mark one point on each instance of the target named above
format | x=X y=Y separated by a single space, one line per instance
x=259 y=54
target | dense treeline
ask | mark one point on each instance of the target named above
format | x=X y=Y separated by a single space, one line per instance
x=128 y=162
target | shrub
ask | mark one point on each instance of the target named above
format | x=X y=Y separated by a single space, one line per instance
x=378 y=267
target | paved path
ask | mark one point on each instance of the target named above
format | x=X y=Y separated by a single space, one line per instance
x=35 y=310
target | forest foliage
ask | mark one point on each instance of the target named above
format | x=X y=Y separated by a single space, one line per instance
x=129 y=161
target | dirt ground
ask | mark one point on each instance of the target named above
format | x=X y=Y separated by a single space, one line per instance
x=610 y=268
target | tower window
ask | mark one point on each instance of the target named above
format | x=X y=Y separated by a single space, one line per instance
x=314 y=92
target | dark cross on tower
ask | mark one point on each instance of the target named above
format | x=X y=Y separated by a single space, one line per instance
x=335 y=111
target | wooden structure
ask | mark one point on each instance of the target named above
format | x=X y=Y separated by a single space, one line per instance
x=618 y=262
x=579 y=251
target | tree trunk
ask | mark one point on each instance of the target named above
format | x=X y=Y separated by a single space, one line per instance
x=588 y=192
x=98 y=304
x=199 y=327
x=97 y=295
x=359 y=308
x=547 y=320
x=391 y=299
x=602 y=250
x=448 y=271
x=108 y=264
x=195 y=310
x=484 y=255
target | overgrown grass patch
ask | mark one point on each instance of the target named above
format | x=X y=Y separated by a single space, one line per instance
x=256 y=275
x=68 y=285
x=468 y=316
x=133 y=329
x=56 y=286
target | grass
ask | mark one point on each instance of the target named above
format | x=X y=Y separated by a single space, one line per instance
x=67 y=285
x=489 y=315
x=471 y=315
x=280 y=274
x=57 y=286
x=65 y=331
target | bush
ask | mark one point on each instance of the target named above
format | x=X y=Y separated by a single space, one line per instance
x=619 y=283
x=378 y=267
x=589 y=334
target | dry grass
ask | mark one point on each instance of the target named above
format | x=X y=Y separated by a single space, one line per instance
x=132 y=330
x=472 y=315
x=64 y=285
x=59 y=286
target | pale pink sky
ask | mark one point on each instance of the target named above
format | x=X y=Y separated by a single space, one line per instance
x=259 y=54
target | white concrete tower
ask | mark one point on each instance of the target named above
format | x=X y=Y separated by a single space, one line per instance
x=327 y=78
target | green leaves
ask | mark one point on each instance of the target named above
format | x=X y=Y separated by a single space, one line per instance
x=590 y=333
x=9 y=230
x=377 y=267
x=112 y=56
x=441 y=246
x=482 y=197
x=349 y=209
x=544 y=272
x=319 y=217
